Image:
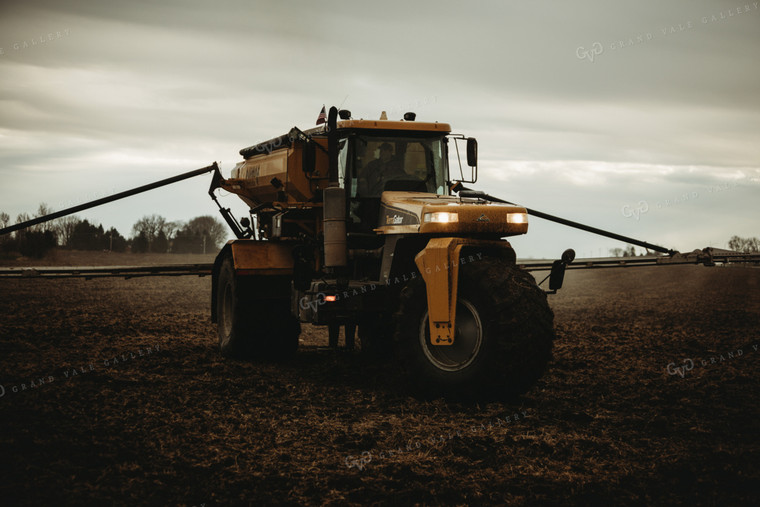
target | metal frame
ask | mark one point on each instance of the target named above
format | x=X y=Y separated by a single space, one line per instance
x=89 y=272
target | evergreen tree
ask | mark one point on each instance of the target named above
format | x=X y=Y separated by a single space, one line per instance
x=160 y=244
x=86 y=236
x=140 y=243
x=114 y=241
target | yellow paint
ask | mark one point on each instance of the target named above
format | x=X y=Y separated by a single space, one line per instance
x=262 y=257
x=395 y=125
x=438 y=263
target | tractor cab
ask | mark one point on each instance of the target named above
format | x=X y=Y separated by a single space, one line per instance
x=370 y=164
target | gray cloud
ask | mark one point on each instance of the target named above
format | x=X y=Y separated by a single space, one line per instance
x=136 y=91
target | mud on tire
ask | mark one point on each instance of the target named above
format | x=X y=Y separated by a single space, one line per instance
x=250 y=327
x=504 y=334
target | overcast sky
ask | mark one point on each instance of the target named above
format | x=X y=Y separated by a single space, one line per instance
x=639 y=117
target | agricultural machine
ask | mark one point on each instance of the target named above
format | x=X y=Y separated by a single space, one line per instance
x=363 y=225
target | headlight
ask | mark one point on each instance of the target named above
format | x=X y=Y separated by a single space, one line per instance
x=441 y=217
x=517 y=218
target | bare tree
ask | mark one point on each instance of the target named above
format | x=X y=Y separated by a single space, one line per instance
x=64 y=228
x=170 y=228
x=5 y=221
x=617 y=252
x=209 y=227
x=21 y=217
x=745 y=245
x=42 y=210
x=149 y=226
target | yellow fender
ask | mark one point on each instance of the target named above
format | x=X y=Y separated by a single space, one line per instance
x=439 y=263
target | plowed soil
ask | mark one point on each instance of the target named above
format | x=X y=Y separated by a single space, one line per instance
x=113 y=392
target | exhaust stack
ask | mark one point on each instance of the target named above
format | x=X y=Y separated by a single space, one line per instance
x=334 y=202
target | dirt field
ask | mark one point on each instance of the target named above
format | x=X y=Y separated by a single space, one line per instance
x=136 y=407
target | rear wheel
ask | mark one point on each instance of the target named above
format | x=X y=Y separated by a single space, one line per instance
x=249 y=326
x=503 y=336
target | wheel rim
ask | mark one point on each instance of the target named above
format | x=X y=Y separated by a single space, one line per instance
x=227 y=311
x=468 y=339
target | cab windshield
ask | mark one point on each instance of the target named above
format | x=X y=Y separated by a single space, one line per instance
x=374 y=164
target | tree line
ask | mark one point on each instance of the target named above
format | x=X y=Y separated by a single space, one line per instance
x=150 y=234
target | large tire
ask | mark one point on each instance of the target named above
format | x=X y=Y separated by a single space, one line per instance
x=503 y=340
x=248 y=326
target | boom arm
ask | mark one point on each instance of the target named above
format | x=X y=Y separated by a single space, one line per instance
x=708 y=257
x=474 y=193
x=111 y=198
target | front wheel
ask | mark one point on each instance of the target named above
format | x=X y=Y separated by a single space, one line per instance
x=503 y=336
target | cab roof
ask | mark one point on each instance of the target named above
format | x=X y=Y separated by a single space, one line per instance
x=395 y=125
x=286 y=140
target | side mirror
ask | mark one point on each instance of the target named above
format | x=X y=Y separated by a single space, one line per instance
x=309 y=157
x=568 y=256
x=557 y=275
x=472 y=152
